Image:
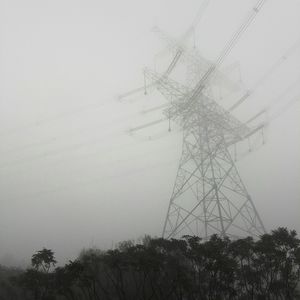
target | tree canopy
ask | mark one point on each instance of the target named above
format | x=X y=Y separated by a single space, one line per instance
x=156 y=268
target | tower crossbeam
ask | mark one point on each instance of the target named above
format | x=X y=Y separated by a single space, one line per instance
x=178 y=95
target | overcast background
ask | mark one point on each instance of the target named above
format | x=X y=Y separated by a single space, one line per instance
x=70 y=174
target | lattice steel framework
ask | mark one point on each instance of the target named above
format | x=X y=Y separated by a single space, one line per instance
x=208 y=195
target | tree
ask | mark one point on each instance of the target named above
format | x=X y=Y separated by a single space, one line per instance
x=43 y=260
x=159 y=269
x=278 y=259
x=68 y=279
x=38 y=280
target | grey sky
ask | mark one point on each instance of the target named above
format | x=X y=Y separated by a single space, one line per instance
x=70 y=175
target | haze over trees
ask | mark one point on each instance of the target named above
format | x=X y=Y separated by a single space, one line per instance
x=156 y=268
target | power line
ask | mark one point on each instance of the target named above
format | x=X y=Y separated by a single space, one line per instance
x=96 y=180
x=285 y=108
x=226 y=50
x=79 y=131
x=59 y=116
x=74 y=147
x=275 y=101
x=291 y=50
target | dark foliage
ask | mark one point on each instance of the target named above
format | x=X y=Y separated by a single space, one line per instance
x=185 y=269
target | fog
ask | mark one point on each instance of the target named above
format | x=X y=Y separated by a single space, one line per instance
x=71 y=176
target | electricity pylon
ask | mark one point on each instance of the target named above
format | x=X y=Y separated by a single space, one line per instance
x=208 y=195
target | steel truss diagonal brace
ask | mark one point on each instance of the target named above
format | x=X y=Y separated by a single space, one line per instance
x=209 y=196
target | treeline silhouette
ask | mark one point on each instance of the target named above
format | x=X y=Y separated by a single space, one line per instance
x=156 y=268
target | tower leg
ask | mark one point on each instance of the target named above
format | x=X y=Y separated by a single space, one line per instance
x=209 y=196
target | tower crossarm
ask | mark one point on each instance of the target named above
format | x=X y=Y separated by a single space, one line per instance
x=169 y=88
x=178 y=96
x=230 y=125
x=252 y=131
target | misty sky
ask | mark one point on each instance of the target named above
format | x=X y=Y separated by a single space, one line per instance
x=70 y=174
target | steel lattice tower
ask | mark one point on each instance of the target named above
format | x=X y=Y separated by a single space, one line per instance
x=208 y=195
